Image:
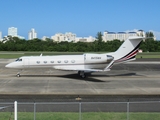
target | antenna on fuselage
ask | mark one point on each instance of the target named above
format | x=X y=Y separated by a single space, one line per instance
x=41 y=54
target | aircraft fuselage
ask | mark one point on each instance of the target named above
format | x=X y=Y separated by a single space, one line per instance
x=85 y=61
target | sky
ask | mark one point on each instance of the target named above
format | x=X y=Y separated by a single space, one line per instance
x=82 y=17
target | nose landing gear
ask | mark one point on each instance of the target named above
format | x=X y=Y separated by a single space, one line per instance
x=18 y=74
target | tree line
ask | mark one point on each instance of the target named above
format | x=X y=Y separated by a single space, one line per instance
x=16 y=44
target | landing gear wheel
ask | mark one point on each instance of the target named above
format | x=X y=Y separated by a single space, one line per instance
x=18 y=75
x=81 y=74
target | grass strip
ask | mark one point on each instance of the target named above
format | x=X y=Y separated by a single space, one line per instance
x=14 y=55
x=84 y=116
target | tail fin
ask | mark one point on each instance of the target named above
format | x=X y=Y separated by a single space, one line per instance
x=128 y=50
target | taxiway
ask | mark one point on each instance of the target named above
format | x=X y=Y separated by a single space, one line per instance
x=135 y=78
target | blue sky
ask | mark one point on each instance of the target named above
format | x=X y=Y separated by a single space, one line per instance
x=82 y=17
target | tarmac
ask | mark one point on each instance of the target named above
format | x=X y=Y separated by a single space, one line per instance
x=134 y=78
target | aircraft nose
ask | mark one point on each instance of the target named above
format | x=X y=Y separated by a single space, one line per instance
x=8 y=66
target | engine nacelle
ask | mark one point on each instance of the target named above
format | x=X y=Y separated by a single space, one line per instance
x=97 y=58
x=109 y=58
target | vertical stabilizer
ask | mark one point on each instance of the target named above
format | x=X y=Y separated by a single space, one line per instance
x=128 y=50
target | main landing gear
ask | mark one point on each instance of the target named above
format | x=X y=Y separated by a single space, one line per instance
x=82 y=74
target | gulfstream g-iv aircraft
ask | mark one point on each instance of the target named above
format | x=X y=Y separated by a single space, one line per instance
x=83 y=64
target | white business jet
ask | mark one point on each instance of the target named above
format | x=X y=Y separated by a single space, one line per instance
x=83 y=64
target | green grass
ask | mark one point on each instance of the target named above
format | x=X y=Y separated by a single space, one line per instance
x=84 y=116
x=148 y=55
x=11 y=55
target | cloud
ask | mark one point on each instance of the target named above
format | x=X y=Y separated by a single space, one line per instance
x=156 y=34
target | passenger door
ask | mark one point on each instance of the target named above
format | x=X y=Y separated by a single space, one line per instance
x=26 y=63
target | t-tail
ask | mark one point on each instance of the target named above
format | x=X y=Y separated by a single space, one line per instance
x=127 y=51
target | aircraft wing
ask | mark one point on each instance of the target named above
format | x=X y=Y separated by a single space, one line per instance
x=79 y=69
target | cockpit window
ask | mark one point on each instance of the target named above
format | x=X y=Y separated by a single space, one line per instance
x=19 y=59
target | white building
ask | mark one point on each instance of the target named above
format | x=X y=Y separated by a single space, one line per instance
x=20 y=37
x=108 y=36
x=59 y=37
x=0 y=36
x=68 y=36
x=85 y=39
x=141 y=33
x=32 y=34
x=44 y=38
x=12 y=31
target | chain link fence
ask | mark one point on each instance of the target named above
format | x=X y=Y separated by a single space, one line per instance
x=145 y=110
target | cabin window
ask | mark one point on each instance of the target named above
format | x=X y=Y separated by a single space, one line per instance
x=73 y=61
x=38 y=62
x=59 y=61
x=52 y=61
x=45 y=61
x=66 y=61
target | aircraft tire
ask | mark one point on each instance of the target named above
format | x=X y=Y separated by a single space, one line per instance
x=83 y=76
x=18 y=75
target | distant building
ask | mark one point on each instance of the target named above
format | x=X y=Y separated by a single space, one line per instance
x=81 y=39
x=0 y=36
x=44 y=38
x=85 y=39
x=71 y=37
x=108 y=36
x=59 y=37
x=141 y=33
x=12 y=31
x=20 y=37
x=7 y=38
x=32 y=34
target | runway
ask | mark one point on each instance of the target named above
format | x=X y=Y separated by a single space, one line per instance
x=135 y=78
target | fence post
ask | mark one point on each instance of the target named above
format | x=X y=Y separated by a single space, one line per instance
x=80 y=111
x=15 y=110
x=34 y=111
x=127 y=110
